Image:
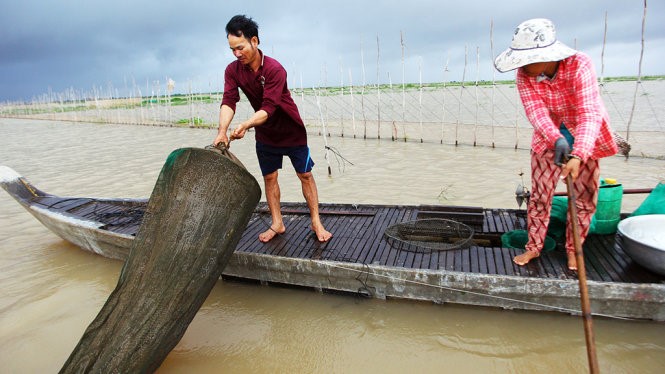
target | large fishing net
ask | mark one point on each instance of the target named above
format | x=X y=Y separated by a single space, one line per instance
x=428 y=235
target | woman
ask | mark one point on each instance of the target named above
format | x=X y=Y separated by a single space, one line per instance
x=559 y=91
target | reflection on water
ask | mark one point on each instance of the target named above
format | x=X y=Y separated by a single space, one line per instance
x=51 y=290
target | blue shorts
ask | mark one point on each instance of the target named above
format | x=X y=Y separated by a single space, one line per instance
x=270 y=158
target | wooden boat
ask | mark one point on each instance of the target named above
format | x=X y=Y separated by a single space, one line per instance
x=360 y=259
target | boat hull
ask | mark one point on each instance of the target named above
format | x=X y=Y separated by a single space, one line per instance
x=303 y=262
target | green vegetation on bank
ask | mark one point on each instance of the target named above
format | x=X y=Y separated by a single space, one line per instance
x=196 y=121
x=64 y=106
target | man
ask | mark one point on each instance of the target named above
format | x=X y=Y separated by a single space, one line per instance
x=559 y=91
x=279 y=129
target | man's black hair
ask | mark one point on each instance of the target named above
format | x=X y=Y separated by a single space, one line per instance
x=242 y=25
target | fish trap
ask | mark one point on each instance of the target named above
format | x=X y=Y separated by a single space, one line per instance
x=427 y=235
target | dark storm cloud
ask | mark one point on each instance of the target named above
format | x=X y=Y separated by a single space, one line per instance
x=129 y=46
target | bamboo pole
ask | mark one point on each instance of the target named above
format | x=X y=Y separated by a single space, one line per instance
x=420 y=98
x=639 y=73
x=401 y=40
x=493 y=79
x=353 y=109
x=443 y=105
x=394 y=123
x=341 y=85
x=475 y=124
x=581 y=272
x=325 y=86
x=517 y=114
x=602 y=53
x=626 y=191
x=362 y=90
x=378 y=90
x=323 y=130
x=461 y=92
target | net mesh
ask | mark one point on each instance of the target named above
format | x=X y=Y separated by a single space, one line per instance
x=427 y=235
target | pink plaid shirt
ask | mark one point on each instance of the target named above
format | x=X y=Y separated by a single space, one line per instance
x=572 y=98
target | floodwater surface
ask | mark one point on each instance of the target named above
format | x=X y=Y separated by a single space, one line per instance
x=52 y=290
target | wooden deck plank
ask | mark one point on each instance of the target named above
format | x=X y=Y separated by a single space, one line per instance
x=391 y=255
x=499 y=262
x=338 y=227
x=336 y=222
x=347 y=233
x=414 y=259
x=364 y=240
x=251 y=232
x=377 y=253
x=489 y=225
x=638 y=273
x=482 y=260
x=301 y=237
x=604 y=269
x=618 y=260
x=358 y=237
x=608 y=255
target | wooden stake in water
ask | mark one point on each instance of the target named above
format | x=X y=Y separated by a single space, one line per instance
x=443 y=105
x=401 y=40
x=461 y=92
x=362 y=90
x=420 y=97
x=639 y=73
x=475 y=124
x=493 y=77
x=341 y=85
x=323 y=129
x=378 y=91
x=353 y=108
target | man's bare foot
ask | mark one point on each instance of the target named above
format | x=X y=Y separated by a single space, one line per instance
x=525 y=257
x=572 y=261
x=269 y=234
x=322 y=234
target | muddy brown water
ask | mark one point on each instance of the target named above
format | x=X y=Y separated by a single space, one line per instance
x=51 y=290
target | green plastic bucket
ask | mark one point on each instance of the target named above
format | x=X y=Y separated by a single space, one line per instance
x=518 y=238
x=608 y=210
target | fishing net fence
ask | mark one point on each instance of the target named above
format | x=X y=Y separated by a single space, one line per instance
x=482 y=114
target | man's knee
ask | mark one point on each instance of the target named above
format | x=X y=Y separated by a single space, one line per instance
x=305 y=177
x=270 y=178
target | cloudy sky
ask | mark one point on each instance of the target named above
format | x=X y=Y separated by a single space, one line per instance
x=124 y=46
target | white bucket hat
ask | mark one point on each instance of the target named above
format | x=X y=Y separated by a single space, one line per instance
x=533 y=41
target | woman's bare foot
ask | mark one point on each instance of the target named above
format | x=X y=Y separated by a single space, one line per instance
x=322 y=234
x=525 y=257
x=269 y=234
x=572 y=260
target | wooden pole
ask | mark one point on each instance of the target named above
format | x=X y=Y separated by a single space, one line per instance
x=475 y=124
x=627 y=191
x=493 y=77
x=581 y=275
x=401 y=41
x=378 y=90
x=461 y=92
x=639 y=73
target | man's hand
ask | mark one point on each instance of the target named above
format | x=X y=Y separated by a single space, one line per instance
x=239 y=132
x=221 y=138
x=561 y=151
